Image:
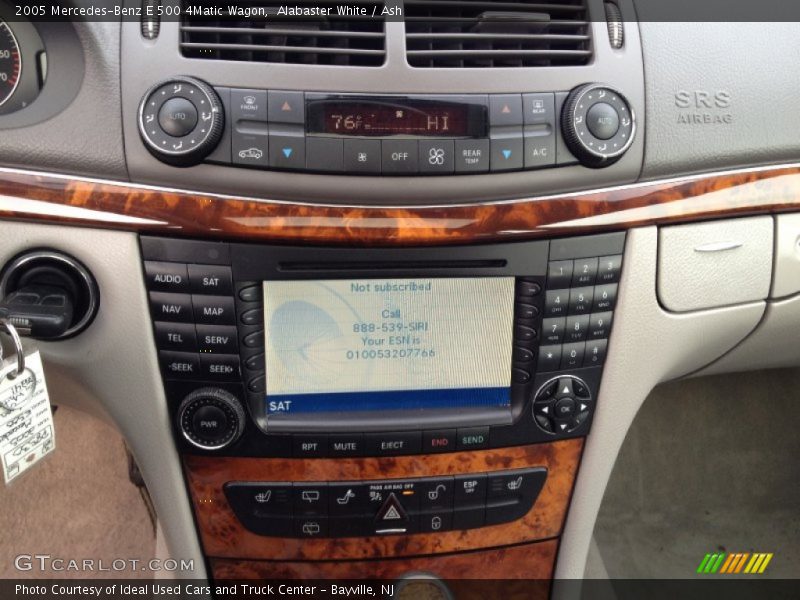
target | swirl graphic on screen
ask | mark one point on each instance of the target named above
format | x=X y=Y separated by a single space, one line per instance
x=308 y=341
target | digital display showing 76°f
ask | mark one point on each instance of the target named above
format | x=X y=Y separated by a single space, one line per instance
x=386 y=117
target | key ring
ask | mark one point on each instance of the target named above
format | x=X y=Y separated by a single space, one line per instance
x=12 y=332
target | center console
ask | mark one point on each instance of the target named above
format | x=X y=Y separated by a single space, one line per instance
x=380 y=402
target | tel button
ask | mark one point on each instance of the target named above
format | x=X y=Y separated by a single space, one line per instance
x=473 y=438
x=440 y=440
x=176 y=336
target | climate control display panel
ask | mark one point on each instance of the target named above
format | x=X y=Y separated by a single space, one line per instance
x=184 y=121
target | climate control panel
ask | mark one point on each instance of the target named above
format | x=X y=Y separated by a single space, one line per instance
x=184 y=121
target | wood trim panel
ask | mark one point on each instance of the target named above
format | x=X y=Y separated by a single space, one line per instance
x=525 y=562
x=41 y=197
x=224 y=537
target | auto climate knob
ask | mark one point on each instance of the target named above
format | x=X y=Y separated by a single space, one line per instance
x=598 y=124
x=181 y=121
x=211 y=418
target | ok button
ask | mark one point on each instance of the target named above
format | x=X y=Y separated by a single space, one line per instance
x=399 y=156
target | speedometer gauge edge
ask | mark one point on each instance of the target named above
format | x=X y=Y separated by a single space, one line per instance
x=10 y=63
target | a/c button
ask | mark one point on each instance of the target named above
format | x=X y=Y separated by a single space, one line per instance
x=473 y=438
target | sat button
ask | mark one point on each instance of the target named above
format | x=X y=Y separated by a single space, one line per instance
x=210 y=279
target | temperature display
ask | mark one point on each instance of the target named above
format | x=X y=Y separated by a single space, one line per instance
x=393 y=117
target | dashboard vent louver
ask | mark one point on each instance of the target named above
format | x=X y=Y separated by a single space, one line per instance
x=497 y=33
x=327 y=40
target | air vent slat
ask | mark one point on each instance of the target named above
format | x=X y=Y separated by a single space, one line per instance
x=502 y=33
x=282 y=32
x=333 y=40
x=262 y=48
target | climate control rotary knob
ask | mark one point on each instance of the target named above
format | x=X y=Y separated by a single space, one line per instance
x=598 y=124
x=181 y=121
x=211 y=418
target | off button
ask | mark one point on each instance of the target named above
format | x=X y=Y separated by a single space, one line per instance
x=399 y=156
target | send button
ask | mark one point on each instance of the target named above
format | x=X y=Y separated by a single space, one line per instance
x=473 y=438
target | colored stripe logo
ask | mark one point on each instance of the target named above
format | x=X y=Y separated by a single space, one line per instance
x=733 y=563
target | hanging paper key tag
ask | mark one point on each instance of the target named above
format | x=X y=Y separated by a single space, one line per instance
x=26 y=418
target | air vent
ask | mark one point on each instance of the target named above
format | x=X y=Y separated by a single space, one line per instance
x=502 y=33
x=342 y=40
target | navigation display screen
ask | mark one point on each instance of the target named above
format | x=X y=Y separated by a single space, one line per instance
x=397 y=344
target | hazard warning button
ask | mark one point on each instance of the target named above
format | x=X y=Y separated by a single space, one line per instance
x=392 y=517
